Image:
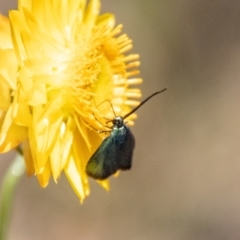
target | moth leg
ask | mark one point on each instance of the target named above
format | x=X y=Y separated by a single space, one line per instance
x=106 y=100
x=99 y=131
x=103 y=131
x=91 y=127
x=101 y=123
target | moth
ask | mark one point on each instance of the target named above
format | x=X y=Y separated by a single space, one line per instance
x=116 y=151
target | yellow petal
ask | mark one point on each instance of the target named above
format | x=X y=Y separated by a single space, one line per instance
x=40 y=159
x=38 y=94
x=106 y=20
x=91 y=14
x=5 y=98
x=44 y=177
x=67 y=141
x=5 y=34
x=30 y=168
x=22 y=115
x=25 y=80
x=82 y=129
x=31 y=45
x=55 y=159
x=47 y=124
x=75 y=179
x=61 y=149
x=8 y=137
x=24 y=4
x=9 y=67
x=18 y=25
x=104 y=184
x=75 y=11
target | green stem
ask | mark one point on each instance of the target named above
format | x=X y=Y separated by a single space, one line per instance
x=8 y=187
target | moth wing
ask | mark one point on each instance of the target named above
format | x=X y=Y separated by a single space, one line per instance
x=126 y=150
x=103 y=162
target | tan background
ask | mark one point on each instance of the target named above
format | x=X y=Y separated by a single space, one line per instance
x=185 y=181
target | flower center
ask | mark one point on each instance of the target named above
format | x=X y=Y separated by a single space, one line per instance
x=90 y=73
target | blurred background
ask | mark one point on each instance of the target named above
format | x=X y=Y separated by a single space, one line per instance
x=185 y=180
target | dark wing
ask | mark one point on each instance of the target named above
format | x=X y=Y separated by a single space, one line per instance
x=114 y=153
x=103 y=162
x=125 y=150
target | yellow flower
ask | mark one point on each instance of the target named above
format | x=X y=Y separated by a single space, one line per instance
x=59 y=61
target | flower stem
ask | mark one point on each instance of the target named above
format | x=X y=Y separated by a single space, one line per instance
x=8 y=187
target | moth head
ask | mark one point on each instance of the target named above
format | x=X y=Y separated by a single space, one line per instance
x=118 y=122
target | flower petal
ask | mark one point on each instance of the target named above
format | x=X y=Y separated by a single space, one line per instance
x=8 y=67
x=67 y=141
x=24 y=4
x=38 y=94
x=5 y=97
x=90 y=17
x=30 y=168
x=18 y=25
x=43 y=178
x=75 y=179
x=5 y=34
x=8 y=137
x=61 y=150
x=106 y=20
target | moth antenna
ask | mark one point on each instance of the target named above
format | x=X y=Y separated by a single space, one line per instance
x=144 y=101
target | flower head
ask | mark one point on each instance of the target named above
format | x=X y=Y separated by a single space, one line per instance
x=60 y=62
